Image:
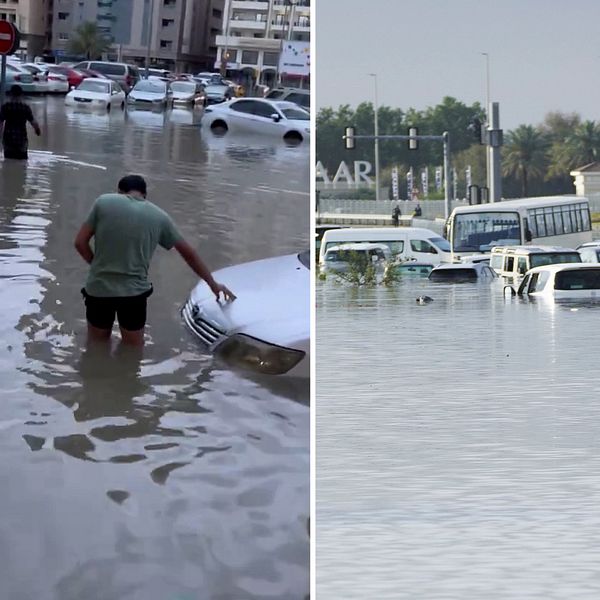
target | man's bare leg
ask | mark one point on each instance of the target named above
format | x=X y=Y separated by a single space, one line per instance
x=97 y=334
x=132 y=338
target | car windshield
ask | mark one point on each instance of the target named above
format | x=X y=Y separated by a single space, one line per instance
x=295 y=113
x=183 y=86
x=216 y=88
x=441 y=243
x=479 y=231
x=93 y=86
x=156 y=87
x=553 y=258
x=304 y=258
x=453 y=275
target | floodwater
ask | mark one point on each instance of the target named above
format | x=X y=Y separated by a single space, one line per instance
x=161 y=476
x=458 y=445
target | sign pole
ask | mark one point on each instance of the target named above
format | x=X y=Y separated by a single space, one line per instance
x=3 y=80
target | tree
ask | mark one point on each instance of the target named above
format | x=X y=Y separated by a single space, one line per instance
x=525 y=155
x=89 y=41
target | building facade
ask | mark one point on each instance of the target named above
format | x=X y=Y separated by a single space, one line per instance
x=255 y=38
x=177 y=34
x=32 y=19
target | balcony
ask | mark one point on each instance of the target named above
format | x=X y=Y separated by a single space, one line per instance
x=248 y=43
x=250 y=5
x=247 y=24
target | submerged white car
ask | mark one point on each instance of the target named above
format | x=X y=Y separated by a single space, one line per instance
x=267 y=328
x=97 y=93
x=150 y=93
x=256 y=115
x=187 y=93
x=562 y=281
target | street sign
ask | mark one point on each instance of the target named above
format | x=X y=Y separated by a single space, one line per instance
x=9 y=38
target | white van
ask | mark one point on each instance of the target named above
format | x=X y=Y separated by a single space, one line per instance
x=339 y=258
x=405 y=243
x=515 y=261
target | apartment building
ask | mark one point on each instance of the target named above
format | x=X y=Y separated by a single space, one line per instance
x=31 y=18
x=179 y=34
x=257 y=35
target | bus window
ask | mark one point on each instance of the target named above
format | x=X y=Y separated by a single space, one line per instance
x=477 y=232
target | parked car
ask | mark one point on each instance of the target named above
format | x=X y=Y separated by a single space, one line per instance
x=97 y=93
x=515 y=261
x=17 y=75
x=462 y=273
x=126 y=75
x=150 y=93
x=409 y=268
x=339 y=259
x=280 y=119
x=40 y=77
x=206 y=78
x=267 y=329
x=296 y=95
x=55 y=82
x=73 y=76
x=187 y=93
x=562 y=281
x=93 y=74
x=216 y=93
x=590 y=252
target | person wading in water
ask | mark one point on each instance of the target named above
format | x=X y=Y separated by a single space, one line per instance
x=126 y=229
x=14 y=116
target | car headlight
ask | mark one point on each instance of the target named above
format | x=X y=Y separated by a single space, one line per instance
x=249 y=353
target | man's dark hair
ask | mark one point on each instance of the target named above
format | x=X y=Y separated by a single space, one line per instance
x=16 y=91
x=132 y=183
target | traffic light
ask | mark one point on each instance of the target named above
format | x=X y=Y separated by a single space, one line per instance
x=349 y=138
x=413 y=144
x=477 y=129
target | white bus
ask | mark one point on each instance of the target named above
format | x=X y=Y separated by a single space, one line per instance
x=549 y=220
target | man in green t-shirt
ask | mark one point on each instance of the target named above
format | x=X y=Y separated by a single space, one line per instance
x=126 y=229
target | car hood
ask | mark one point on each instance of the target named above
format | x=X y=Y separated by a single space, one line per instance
x=146 y=95
x=87 y=94
x=273 y=301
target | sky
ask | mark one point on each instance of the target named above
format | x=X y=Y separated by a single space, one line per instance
x=544 y=55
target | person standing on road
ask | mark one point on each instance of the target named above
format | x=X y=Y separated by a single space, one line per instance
x=396 y=213
x=126 y=229
x=14 y=116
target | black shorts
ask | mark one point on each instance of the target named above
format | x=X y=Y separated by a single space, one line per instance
x=129 y=310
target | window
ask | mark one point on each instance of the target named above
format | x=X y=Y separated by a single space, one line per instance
x=217 y=13
x=581 y=279
x=422 y=246
x=166 y=44
x=271 y=59
x=559 y=220
x=63 y=16
x=521 y=265
x=63 y=36
x=169 y=2
x=250 y=57
x=243 y=106
x=107 y=68
x=168 y=22
x=509 y=264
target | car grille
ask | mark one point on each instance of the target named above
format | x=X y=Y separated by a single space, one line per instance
x=83 y=100
x=207 y=332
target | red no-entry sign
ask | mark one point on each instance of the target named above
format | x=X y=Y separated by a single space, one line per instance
x=9 y=38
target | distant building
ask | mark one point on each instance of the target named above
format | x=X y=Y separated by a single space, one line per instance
x=587 y=179
x=266 y=41
x=183 y=31
x=32 y=18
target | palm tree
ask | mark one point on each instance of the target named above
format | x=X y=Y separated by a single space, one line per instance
x=89 y=41
x=525 y=154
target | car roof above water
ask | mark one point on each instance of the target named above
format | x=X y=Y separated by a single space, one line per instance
x=530 y=249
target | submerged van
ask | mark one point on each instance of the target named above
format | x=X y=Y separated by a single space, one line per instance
x=405 y=243
x=569 y=282
x=339 y=258
x=515 y=261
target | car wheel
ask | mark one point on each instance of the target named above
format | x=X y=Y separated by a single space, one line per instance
x=219 y=127
x=293 y=138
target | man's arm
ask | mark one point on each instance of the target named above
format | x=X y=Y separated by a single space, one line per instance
x=197 y=265
x=82 y=243
x=34 y=123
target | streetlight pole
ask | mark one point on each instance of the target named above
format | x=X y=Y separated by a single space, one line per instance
x=376 y=127
x=225 y=51
x=148 y=46
x=488 y=159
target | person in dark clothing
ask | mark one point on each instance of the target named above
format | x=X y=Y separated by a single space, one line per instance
x=14 y=116
x=396 y=212
x=418 y=212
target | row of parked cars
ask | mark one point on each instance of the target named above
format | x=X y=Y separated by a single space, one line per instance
x=527 y=270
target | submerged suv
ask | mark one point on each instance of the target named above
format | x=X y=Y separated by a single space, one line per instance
x=126 y=75
x=295 y=95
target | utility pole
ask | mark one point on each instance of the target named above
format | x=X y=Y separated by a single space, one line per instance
x=494 y=144
x=376 y=131
x=150 y=23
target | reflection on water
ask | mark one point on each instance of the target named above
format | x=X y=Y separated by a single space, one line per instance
x=153 y=474
x=458 y=445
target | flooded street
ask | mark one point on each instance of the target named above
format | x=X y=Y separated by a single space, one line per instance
x=154 y=476
x=458 y=445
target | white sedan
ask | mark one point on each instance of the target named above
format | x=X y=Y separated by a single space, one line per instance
x=283 y=119
x=150 y=93
x=267 y=328
x=97 y=93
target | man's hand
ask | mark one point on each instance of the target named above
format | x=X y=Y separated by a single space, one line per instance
x=218 y=289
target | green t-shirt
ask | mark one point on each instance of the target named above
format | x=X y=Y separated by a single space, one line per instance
x=126 y=233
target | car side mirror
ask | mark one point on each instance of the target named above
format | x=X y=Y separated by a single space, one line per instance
x=276 y=117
